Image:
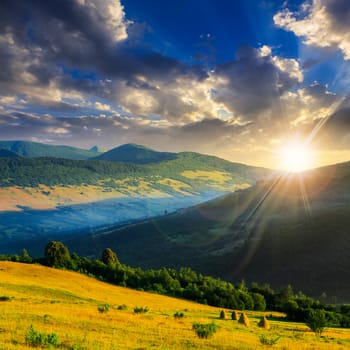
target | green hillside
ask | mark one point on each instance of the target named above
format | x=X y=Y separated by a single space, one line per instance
x=49 y=197
x=294 y=230
x=137 y=154
x=195 y=169
x=35 y=149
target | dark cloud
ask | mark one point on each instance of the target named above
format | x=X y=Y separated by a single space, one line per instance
x=255 y=82
x=39 y=37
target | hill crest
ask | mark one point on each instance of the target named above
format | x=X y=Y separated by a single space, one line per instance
x=137 y=154
x=31 y=149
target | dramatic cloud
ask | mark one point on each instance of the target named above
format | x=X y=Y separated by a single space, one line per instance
x=323 y=23
x=255 y=81
x=72 y=72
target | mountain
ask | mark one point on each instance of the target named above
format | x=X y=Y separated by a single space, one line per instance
x=294 y=229
x=35 y=149
x=51 y=197
x=4 y=153
x=132 y=153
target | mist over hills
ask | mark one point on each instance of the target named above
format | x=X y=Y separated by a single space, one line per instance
x=294 y=229
x=50 y=197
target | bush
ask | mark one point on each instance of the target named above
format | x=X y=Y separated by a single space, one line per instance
x=204 y=330
x=140 y=310
x=178 y=314
x=5 y=298
x=122 y=307
x=36 y=339
x=269 y=341
x=103 y=308
x=317 y=321
x=222 y=315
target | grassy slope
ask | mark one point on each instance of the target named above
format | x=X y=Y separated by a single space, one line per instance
x=277 y=240
x=47 y=182
x=66 y=303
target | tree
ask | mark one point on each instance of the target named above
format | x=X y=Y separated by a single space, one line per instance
x=57 y=254
x=259 y=301
x=109 y=257
x=25 y=256
x=317 y=321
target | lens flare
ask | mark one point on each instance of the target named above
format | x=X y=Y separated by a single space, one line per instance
x=296 y=157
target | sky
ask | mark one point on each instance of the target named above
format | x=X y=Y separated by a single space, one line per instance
x=241 y=80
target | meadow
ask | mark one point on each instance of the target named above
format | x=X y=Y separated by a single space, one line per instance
x=86 y=313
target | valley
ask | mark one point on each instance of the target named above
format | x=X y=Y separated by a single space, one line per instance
x=49 y=197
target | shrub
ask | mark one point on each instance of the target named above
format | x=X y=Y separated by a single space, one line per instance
x=269 y=341
x=36 y=339
x=178 y=314
x=204 y=330
x=222 y=315
x=103 y=308
x=5 y=298
x=317 y=321
x=140 y=310
x=122 y=307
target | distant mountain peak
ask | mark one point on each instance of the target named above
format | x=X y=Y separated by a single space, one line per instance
x=31 y=149
x=137 y=154
x=134 y=146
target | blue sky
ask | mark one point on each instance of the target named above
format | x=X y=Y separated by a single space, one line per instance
x=237 y=79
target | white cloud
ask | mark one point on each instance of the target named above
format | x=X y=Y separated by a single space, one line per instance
x=108 y=15
x=102 y=106
x=59 y=131
x=324 y=23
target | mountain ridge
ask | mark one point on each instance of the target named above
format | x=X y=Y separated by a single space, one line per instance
x=35 y=149
x=271 y=232
x=134 y=153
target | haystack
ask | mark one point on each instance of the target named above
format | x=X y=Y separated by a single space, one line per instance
x=222 y=315
x=243 y=319
x=234 y=315
x=264 y=323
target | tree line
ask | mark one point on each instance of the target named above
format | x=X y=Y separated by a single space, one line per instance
x=187 y=284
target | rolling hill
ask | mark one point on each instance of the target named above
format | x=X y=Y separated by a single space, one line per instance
x=36 y=149
x=137 y=154
x=294 y=229
x=50 y=197
x=66 y=304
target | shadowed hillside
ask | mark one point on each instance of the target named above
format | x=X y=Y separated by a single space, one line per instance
x=49 y=197
x=293 y=230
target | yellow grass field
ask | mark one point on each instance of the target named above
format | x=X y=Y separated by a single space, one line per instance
x=66 y=303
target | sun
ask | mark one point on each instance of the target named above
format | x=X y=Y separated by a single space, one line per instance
x=296 y=157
